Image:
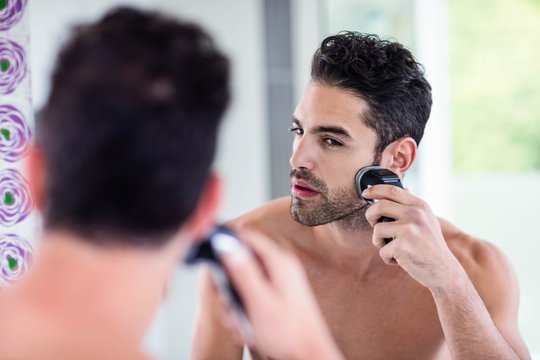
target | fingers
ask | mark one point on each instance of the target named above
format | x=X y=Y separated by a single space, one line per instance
x=383 y=231
x=278 y=263
x=396 y=203
x=387 y=253
x=384 y=208
x=228 y=319
x=390 y=192
x=264 y=296
x=246 y=275
x=247 y=271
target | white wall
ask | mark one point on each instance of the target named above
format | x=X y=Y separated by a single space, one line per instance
x=484 y=207
x=306 y=37
x=435 y=167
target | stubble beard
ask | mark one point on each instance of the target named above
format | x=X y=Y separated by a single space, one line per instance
x=343 y=206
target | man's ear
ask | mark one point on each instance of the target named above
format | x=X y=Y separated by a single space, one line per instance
x=203 y=218
x=399 y=155
x=37 y=176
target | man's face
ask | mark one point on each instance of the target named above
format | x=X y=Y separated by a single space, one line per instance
x=331 y=143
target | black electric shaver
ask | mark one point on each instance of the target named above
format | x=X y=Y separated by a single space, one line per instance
x=374 y=175
x=208 y=251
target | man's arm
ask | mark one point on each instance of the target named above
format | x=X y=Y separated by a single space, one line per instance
x=478 y=323
x=212 y=339
x=481 y=321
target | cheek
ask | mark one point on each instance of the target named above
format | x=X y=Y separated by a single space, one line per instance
x=344 y=190
x=354 y=161
x=341 y=180
x=340 y=173
x=343 y=170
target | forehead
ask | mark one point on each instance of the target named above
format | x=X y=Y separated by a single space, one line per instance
x=323 y=105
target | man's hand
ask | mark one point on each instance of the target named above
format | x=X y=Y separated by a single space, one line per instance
x=418 y=245
x=286 y=320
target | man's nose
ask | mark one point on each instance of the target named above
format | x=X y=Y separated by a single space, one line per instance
x=302 y=155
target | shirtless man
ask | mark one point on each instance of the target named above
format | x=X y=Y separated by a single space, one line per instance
x=433 y=292
x=121 y=173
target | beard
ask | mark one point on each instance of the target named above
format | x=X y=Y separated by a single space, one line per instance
x=342 y=205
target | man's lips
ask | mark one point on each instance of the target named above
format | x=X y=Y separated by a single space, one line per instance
x=302 y=189
x=303 y=184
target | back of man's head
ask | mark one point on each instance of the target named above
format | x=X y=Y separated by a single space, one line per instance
x=129 y=130
x=384 y=74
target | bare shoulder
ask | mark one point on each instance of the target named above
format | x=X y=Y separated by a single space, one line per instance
x=486 y=265
x=269 y=214
x=273 y=219
x=474 y=254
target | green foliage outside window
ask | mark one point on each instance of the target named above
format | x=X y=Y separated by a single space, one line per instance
x=495 y=78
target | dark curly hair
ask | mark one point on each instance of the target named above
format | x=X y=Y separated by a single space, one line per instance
x=384 y=74
x=129 y=129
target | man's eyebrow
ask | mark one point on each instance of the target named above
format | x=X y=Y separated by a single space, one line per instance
x=338 y=130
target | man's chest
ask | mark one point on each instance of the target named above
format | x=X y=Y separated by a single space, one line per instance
x=379 y=317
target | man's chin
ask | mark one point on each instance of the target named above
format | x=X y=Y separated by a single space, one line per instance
x=303 y=205
x=303 y=220
x=304 y=214
x=297 y=209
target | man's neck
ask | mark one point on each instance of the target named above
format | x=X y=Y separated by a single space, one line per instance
x=345 y=244
x=93 y=287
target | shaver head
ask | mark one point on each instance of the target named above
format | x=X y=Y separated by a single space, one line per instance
x=205 y=250
x=375 y=175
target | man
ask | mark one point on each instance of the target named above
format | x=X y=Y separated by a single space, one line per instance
x=433 y=292
x=121 y=174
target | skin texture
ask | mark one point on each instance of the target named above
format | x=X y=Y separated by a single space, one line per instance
x=433 y=293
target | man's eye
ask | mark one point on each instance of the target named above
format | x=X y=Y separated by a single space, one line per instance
x=332 y=142
x=296 y=130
